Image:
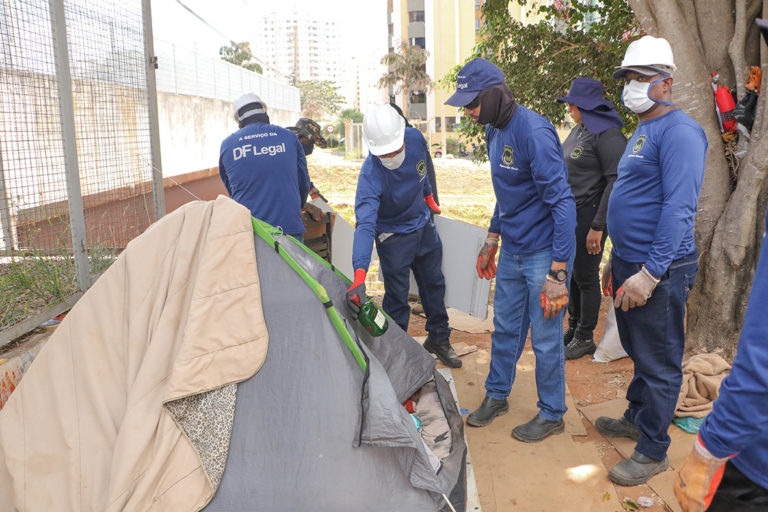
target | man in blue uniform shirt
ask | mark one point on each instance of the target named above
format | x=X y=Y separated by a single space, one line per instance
x=727 y=471
x=535 y=217
x=729 y=463
x=264 y=168
x=392 y=207
x=651 y=215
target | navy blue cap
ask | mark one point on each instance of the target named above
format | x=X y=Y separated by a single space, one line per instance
x=476 y=75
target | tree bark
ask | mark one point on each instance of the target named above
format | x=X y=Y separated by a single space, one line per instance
x=728 y=225
x=737 y=44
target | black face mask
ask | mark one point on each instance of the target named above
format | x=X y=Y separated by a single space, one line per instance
x=308 y=148
x=498 y=106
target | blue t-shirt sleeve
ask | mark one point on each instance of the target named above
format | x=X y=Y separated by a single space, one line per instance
x=550 y=178
x=304 y=183
x=681 y=159
x=495 y=226
x=367 y=200
x=740 y=413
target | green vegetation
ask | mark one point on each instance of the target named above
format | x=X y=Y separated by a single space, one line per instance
x=37 y=280
x=240 y=54
x=319 y=98
x=580 y=38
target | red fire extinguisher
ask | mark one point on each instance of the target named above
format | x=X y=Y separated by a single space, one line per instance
x=725 y=105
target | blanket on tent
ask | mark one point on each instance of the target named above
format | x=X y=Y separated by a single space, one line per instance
x=107 y=417
x=702 y=376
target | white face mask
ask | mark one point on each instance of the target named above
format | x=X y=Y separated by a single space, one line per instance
x=636 y=96
x=393 y=162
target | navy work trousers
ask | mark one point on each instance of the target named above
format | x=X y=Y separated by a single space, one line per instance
x=422 y=252
x=654 y=337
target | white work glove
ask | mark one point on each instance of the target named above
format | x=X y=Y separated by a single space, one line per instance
x=636 y=290
x=698 y=478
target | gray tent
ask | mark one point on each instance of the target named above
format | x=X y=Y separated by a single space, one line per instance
x=321 y=427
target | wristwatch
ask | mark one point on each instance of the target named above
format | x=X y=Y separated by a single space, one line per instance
x=559 y=275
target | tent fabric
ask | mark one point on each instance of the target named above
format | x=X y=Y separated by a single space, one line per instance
x=178 y=314
x=328 y=436
x=202 y=358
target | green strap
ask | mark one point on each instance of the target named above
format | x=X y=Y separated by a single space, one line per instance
x=268 y=233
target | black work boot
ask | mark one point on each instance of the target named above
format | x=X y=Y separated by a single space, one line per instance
x=578 y=348
x=443 y=351
x=568 y=335
x=537 y=429
x=489 y=409
x=621 y=427
x=637 y=469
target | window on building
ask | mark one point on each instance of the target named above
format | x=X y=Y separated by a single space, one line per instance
x=438 y=125
x=415 y=16
x=391 y=29
x=478 y=4
x=450 y=123
x=418 y=41
x=478 y=24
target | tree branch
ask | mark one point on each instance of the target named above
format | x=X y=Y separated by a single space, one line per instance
x=736 y=46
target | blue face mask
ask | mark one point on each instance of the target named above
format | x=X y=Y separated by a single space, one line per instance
x=636 y=96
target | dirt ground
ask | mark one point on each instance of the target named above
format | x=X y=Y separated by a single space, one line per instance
x=589 y=383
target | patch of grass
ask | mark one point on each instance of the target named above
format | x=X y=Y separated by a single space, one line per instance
x=31 y=283
x=464 y=189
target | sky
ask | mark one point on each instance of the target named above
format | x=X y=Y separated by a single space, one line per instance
x=362 y=23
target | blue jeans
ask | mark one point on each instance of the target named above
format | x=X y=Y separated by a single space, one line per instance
x=516 y=306
x=654 y=337
x=422 y=252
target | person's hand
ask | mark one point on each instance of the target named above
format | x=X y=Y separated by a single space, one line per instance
x=636 y=290
x=313 y=211
x=554 y=296
x=432 y=205
x=594 y=239
x=698 y=478
x=486 y=259
x=314 y=193
x=356 y=292
x=607 y=281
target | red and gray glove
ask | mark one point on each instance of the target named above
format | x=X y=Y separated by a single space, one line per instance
x=432 y=205
x=356 y=292
x=486 y=260
x=314 y=193
x=636 y=290
x=698 y=478
x=553 y=297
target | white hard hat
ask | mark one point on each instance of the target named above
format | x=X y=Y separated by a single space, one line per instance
x=248 y=105
x=648 y=56
x=383 y=129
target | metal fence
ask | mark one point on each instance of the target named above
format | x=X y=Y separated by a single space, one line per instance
x=78 y=146
x=184 y=71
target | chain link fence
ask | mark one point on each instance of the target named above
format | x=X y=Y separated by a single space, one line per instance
x=76 y=148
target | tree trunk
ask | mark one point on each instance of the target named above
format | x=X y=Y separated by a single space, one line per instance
x=729 y=223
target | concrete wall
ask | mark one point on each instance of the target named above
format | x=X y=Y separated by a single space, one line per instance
x=192 y=128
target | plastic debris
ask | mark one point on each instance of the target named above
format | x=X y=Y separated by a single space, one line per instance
x=645 y=501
